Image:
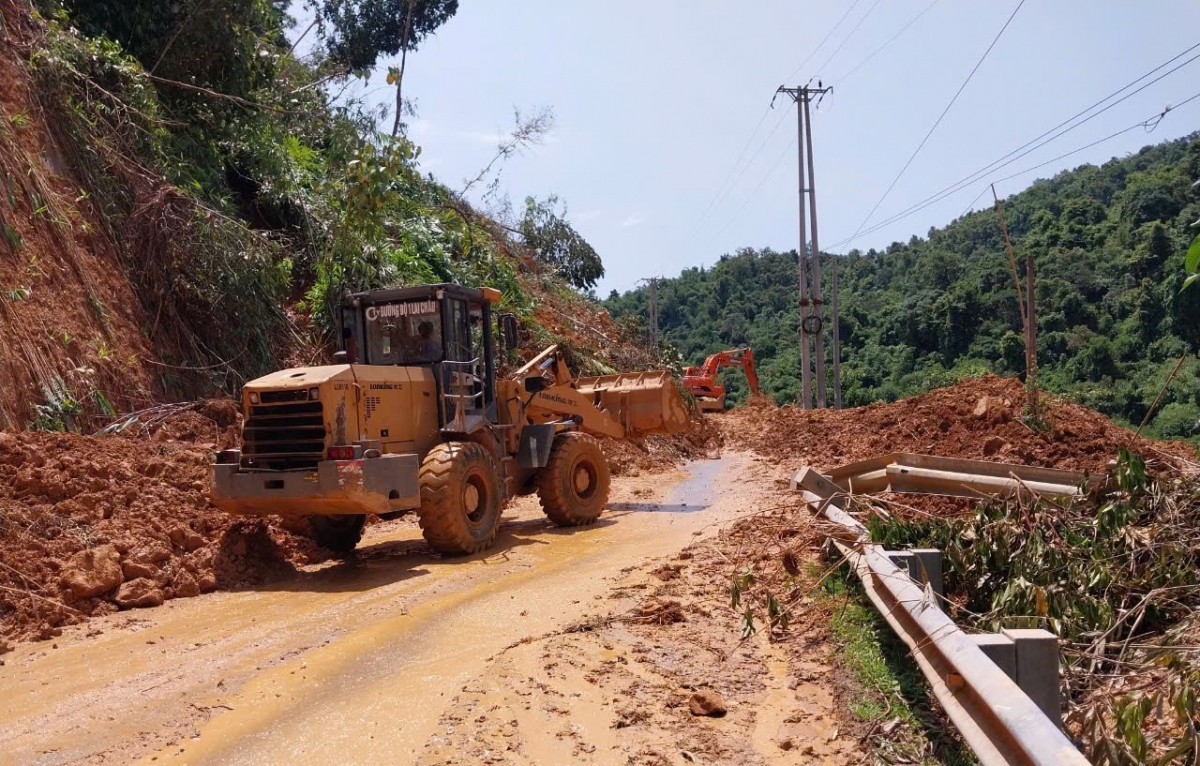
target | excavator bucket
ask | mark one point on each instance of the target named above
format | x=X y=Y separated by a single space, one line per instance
x=644 y=402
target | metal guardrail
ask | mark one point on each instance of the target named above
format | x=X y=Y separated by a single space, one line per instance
x=999 y=721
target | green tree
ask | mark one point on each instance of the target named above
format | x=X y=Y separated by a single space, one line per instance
x=555 y=241
x=356 y=33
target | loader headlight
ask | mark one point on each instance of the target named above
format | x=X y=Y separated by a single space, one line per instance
x=254 y=397
x=314 y=394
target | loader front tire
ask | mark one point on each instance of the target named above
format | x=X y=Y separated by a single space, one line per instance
x=573 y=487
x=337 y=533
x=461 y=498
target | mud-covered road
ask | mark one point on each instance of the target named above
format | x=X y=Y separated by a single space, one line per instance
x=401 y=657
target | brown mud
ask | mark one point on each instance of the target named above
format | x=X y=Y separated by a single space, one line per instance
x=91 y=525
x=574 y=646
x=979 y=418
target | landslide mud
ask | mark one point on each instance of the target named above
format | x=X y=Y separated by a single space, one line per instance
x=90 y=526
x=980 y=418
x=366 y=661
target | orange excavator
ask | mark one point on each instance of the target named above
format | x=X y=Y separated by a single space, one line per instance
x=702 y=381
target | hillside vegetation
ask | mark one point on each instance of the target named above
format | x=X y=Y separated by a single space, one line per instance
x=1108 y=243
x=184 y=198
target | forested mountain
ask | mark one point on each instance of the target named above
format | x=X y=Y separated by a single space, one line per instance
x=1108 y=244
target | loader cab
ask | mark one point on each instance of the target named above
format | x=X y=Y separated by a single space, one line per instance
x=445 y=328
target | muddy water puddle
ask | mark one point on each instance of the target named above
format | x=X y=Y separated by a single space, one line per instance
x=348 y=663
x=694 y=494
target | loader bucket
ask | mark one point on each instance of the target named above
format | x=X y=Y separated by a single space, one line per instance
x=644 y=402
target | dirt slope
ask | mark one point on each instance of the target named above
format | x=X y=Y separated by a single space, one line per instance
x=70 y=321
x=980 y=418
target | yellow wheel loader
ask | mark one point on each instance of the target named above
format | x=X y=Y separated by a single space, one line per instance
x=412 y=417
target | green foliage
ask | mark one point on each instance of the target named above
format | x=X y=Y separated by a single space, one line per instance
x=892 y=693
x=555 y=242
x=356 y=33
x=1111 y=318
x=1113 y=575
x=1192 y=259
x=277 y=192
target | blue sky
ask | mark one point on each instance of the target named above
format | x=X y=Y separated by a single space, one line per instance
x=655 y=100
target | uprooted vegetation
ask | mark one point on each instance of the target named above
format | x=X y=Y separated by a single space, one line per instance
x=1114 y=576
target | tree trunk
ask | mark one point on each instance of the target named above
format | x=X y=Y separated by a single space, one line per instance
x=408 y=22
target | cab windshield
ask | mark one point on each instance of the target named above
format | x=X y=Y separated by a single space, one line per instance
x=404 y=333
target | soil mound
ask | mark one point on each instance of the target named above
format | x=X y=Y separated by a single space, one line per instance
x=979 y=418
x=661 y=452
x=90 y=525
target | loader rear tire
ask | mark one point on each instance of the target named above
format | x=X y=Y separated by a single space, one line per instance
x=461 y=498
x=573 y=487
x=337 y=533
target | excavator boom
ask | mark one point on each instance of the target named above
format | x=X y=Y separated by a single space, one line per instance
x=702 y=381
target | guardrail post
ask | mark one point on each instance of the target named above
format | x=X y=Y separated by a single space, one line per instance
x=928 y=563
x=1037 y=669
x=924 y=565
x=903 y=560
x=1000 y=649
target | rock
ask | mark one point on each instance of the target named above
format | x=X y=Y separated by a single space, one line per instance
x=993 y=445
x=139 y=593
x=153 y=553
x=188 y=539
x=184 y=585
x=993 y=409
x=135 y=569
x=92 y=572
x=207 y=582
x=707 y=702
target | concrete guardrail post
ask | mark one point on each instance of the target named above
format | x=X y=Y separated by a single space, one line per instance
x=1037 y=669
x=1001 y=650
x=924 y=565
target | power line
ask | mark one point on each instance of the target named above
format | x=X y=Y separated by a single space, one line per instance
x=745 y=202
x=820 y=45
x=847 y=39
x=728 y=188
x=1032 y=145
x=732 y=169
x=1150 y=124
x=942 y=116
x=725 y=184
x=841 y=80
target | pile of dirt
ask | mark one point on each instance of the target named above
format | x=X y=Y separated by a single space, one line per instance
x=91 y=525
x=979 y=418
x=701 y=439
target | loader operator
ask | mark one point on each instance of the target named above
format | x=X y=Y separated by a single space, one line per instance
x=430 y=350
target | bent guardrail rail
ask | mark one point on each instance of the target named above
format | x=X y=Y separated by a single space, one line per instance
x=1002 y=724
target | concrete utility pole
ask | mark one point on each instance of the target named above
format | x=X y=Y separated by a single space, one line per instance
x=812 y=329
x=653 y=312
